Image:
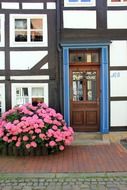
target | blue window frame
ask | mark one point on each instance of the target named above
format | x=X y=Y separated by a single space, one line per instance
x=77 y=3
x=84 y=1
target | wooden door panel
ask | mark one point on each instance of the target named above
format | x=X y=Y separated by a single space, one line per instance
x=91 y=117
x=77 y=118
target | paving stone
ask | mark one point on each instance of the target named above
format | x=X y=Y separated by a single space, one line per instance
x=67 y=187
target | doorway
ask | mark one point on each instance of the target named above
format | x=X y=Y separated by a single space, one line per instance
x=87 y=65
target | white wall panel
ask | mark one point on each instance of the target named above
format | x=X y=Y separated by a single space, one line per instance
x=2 y=97
x=2 y=61
x=51 y=5
x=118 y=83
x=21 y=60
x=79 y=19
x=45 y=66
x=118 y=79
x=117 y=19
x=33 y=77
x=118 y=53
x=10 y=5
x=118 y=113
x=33 y=5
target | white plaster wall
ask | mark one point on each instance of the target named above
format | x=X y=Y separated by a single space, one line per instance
x=33 y=5
x=2 y=97
x=33 y=77
x=12 y=5
x=45 y=66
x=79 y=19
x=118 y=83
x=118 y=113
x=24 y=60
x=117 y=19
x=118 y=53
x=2 y=61
x=51 y=5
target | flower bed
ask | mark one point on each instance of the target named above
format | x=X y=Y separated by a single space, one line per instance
x=33 y=130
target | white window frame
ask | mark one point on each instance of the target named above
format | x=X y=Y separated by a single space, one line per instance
x=29 y=86
x=2 y=89
x=28 y=44
x=2 y=41
x=79 y=3
x=122 y=3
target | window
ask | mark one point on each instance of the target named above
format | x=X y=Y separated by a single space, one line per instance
x=84 y=57
x=28 y=30
x=2 y=98
x=117 y=2
x=1 y=30
x=32 y=93
x=78 y=3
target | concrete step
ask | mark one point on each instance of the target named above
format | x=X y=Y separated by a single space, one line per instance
x=81 y=138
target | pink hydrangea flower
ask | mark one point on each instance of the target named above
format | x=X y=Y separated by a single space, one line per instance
x=25 y=138
x=61 y=147
x=33 y=144
x=52 y=143
x=28 y=146
x=18 y=144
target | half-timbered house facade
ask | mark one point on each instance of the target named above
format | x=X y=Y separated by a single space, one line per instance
x=70 y=54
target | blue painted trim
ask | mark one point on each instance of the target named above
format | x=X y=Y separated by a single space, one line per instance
x=104 y=96
x=87 y=45
x=66 y=85
x=104 y=109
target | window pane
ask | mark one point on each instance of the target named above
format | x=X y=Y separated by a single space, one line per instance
x=116 y=0
x=77 y=57
x=89 y=58
x=37 y=100
x=20 y=24
x=85 y=1
x=24 y=91
x=37 y=92
x=90 y=77
x=36 y=36
x=36 y=24
x=77 y=86
x=95 y=57
x=20 y=36
x=73 y=0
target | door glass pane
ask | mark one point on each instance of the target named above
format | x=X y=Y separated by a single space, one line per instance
x=77 y=86
x=91 y=85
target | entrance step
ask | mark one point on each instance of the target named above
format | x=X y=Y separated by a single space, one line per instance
x=81 y=138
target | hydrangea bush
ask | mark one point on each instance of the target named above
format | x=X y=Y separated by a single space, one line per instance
x=30 y=127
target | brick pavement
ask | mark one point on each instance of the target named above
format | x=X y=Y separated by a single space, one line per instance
x=88 y=158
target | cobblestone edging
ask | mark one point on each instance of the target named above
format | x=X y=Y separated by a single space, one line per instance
x=114 y=181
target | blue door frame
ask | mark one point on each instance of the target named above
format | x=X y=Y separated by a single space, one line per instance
x=104 y=85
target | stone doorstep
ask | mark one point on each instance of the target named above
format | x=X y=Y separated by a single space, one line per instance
x=115 y=137
x=82 y=138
